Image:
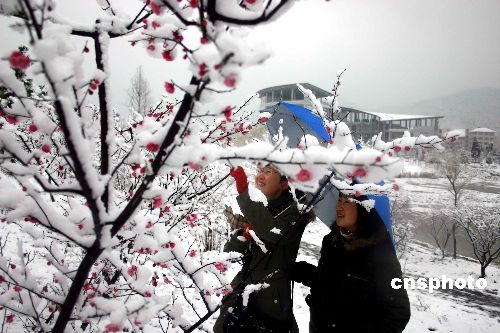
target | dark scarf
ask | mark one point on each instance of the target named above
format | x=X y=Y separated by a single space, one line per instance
x=280 y=204
x=379 y=236
x=285 y=201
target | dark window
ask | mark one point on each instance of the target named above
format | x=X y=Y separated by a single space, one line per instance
x=287 y=94
x=297 y=94
x=276 y=95
x=264 y=97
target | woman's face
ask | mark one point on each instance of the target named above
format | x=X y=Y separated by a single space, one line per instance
x=347 y=213
x=269 y=182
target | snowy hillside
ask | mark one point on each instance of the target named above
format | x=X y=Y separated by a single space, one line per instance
x=467 y=109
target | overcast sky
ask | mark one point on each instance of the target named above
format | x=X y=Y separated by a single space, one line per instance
x=396 y=52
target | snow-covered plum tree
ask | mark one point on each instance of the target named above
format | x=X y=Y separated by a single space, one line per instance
x=112 y=214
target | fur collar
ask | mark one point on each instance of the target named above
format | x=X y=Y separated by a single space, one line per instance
x=381 y=235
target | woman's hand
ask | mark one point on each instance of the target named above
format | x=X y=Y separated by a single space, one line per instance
x=303 y=272
x=240 y=177
x=236 y=221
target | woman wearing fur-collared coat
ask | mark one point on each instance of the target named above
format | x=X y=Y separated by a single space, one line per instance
x=351 y=286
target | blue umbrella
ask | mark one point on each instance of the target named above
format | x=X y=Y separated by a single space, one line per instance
x=383 y=208
x=297 y=121
x=326 y=203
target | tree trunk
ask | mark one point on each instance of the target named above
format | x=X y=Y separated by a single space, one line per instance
x=76 y=287
x=483 y=271
x=454 y=235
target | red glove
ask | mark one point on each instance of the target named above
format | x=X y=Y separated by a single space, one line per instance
x=246 y=232
x=241 y=179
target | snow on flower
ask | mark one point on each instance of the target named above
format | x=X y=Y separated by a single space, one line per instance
x=9 y=319
x=46 y=148
x=192 y=217
x=303 y=175
x=169 y=87
x=32 y=128
x=194 y=166
x=167 y=55
x=220 y=267
x=113 y=327
x=359 y=173
x=132 y=270
x=154 y=7
x=152 y=147
x=18 y=60
x=230 y=81
x=228 y=111
x=157 y=202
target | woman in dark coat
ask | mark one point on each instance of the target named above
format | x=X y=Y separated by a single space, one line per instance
x=351 y=287
x=279 y=226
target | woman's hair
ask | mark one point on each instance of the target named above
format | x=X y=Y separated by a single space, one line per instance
x=283 y=178
x=369 y=222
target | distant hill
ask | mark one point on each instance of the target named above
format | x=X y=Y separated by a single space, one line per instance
x=468 y=109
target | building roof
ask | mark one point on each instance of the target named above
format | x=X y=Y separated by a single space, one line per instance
x=392 y=116
x=318 y=92
x=487 y=130
x=462 y=131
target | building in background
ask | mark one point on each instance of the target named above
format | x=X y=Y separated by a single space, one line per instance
x=484 y=136
x=363 y=124
x=487 y=138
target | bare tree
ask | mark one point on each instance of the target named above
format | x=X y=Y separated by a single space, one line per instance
x=139 y=93
x=482 y=226
x=454 y=170
x=441 y=229
x=402 y=227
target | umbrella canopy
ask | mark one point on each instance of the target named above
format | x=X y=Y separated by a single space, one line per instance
x=325 y=206
x=383 y=208
x=296 y=122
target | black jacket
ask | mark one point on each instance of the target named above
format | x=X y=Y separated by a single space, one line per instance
x=351 y=287
x=269 y=223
